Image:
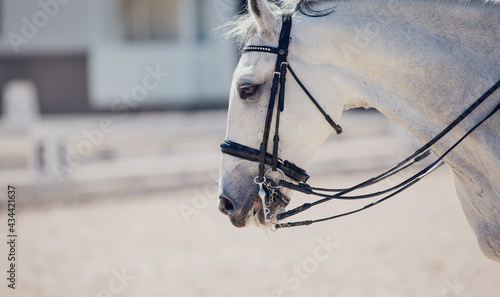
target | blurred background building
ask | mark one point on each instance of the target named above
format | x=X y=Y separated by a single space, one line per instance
x=67 y=65
x=87 y=55
x=106 y=198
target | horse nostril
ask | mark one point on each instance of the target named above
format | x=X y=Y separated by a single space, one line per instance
x=225 y=205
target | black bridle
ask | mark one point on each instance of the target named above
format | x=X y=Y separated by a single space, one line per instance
x=298 y=174
x=279 y=81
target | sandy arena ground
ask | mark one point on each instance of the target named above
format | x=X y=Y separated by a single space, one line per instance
x=139 y=218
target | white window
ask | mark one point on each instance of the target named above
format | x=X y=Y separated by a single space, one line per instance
x=146 y=20
x=1 y=17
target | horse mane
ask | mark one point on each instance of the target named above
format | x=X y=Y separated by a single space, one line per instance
x=243 y=26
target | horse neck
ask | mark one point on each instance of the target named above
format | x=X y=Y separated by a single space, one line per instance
x=421 y=63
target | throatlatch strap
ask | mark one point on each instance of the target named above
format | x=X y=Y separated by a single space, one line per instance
x=334 y=125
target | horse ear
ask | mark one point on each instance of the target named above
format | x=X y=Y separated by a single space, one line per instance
x=262 y=14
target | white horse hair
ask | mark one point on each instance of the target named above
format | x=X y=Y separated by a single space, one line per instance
x=419 y=62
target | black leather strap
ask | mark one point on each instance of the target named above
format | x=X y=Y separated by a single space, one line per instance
x=337 y=128
x=244 y=152
x=284 y=42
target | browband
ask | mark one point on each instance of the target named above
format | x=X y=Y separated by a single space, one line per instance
x=264 y=49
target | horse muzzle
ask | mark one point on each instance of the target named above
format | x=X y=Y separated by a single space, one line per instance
x=256 y=210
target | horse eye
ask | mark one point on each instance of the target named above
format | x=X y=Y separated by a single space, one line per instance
x=248 y=90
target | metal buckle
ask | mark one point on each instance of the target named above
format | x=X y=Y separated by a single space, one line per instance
x=282 y=174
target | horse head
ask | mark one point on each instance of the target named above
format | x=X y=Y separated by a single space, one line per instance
x=302 y=129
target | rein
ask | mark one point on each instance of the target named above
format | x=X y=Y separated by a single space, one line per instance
x=268 y=190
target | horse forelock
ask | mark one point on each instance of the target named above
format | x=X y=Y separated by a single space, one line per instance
x=243 y=26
